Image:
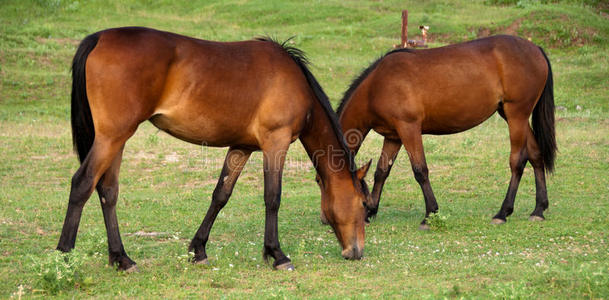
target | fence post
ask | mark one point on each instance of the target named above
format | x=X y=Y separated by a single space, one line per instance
x=404 y=28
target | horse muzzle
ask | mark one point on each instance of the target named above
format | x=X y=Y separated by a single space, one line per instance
x=353 y=253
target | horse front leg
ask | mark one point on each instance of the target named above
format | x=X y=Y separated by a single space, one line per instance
x=274 y=152
x=410 y=134
x=233 y=165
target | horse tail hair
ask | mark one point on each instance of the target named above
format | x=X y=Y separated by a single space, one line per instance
x=543 y=121
x=83 y=132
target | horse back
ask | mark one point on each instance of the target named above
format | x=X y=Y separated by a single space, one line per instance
x=454 y=88
x=213 y=93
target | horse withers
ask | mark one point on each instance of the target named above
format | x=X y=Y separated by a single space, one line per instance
x=248 y=96
x=407 y=93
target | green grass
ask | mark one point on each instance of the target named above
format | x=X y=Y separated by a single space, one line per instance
x=166 y=184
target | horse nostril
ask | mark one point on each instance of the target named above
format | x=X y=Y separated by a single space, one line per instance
x=347 y=253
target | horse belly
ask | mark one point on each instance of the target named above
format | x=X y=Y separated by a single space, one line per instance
x=202 y=130
x=459 y=114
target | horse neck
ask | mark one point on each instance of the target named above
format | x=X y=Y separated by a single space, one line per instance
x=324 y=148
x=354 y=124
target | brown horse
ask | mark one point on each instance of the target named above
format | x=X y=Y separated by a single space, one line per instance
x=248 y=96
x=407 y=93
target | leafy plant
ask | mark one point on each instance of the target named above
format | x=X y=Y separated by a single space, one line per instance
x=437 y=221
x=60 y=271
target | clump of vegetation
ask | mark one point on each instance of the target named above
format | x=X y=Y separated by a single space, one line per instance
x=60 y=271
x=437 y=221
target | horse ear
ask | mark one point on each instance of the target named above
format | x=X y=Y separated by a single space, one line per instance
x=361 y=172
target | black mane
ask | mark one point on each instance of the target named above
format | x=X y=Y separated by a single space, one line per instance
x=358 y=80
x=301 y=60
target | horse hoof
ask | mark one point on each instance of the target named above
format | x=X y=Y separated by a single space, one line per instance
x=202 y=262
x=536 y=218
x=424 y=227
x=497 y=221
x=285 y=266
x=132 y=269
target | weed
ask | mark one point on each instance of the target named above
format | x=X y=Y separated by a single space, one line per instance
x=437 y=221
x=59 y=271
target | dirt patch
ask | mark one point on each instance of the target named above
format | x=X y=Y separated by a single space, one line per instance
x=511 y=29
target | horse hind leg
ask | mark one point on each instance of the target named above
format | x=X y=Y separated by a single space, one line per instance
x=107 y=189
x=233 y=164
x=97 y=161
x=518 y=127
x=386 y=161
x=541 y=194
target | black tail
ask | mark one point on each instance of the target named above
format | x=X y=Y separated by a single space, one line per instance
x=83 y=132
x=543 y=121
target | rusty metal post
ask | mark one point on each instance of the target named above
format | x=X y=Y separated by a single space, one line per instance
x=404 y=28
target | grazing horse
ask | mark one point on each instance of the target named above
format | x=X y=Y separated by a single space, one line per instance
x=407 y=93
x=248 y=96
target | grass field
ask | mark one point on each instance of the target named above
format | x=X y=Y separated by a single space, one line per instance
x=166 y=184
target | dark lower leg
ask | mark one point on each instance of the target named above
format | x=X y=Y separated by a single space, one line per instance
x=82 y=187
x=116 y=251
x=517 y=164
x=421 y=174
x=271 y=233
x=541 y=195
x=273 y=167
x=233 y=164
x=386 y=161
x=107 y=189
